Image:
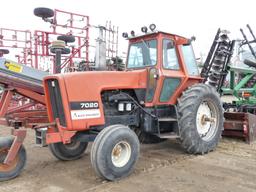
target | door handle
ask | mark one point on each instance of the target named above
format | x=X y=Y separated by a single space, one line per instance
x=156 y=76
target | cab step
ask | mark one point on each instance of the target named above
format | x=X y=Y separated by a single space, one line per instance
x=169 y=135
x=167 y=119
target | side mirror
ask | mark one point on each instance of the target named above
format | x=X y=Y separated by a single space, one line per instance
x=193 y=38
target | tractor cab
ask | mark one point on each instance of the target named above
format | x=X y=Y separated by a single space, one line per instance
x=169 y=60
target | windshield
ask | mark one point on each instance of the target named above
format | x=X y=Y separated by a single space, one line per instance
x=142 y=54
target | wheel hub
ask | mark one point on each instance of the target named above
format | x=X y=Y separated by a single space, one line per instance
x=72 y=145
x=121 y=154
x=206 y=120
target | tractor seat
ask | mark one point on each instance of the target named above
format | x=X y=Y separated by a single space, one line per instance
x=250 y=63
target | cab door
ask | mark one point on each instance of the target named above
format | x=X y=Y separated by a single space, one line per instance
x=151 y=84
x=172 y=73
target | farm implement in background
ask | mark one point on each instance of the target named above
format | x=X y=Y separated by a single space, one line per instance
x=240 y=115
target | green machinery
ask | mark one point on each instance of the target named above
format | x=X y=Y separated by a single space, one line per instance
x=246 y=95
x=242 y=83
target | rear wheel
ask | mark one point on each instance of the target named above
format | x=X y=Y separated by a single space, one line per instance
x=115 y=152
x=200 y=119
x=12 y=170
x=67 y=152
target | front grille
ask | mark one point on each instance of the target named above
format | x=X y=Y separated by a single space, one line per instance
x=56 y=101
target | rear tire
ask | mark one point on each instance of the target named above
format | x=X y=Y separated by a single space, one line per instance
x=68 y=152
x=115 y=152
x=11 y=171
x=200 y=119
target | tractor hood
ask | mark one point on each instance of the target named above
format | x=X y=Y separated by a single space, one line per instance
x=80 y=95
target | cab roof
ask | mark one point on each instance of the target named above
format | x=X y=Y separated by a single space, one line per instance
x=177 y=38
x=156 y=33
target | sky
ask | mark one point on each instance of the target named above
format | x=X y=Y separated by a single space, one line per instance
x=200 y=18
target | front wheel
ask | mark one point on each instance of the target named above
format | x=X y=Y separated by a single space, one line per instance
x=115 y=152
x=200 y=119
x=12 y=170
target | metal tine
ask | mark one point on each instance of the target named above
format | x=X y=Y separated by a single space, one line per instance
x=248 y=26
x=246 y=41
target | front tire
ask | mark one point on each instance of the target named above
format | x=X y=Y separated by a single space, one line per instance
x=200 y=119
x=68 y=152
x=115 y=152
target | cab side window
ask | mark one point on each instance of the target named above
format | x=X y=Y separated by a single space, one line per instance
x=189 y=58
x=170 y=59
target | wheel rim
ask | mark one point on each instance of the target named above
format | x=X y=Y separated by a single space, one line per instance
x=121 y=154
x=72 y=145
x=207 y=120
x=5 y=167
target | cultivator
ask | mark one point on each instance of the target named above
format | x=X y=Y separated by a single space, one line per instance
x=62 y=23
x=240 y=122
x=215 y=68
x=32 y=47
x=19 y=40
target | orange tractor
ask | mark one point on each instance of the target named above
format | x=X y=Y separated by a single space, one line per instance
x=159 y=95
